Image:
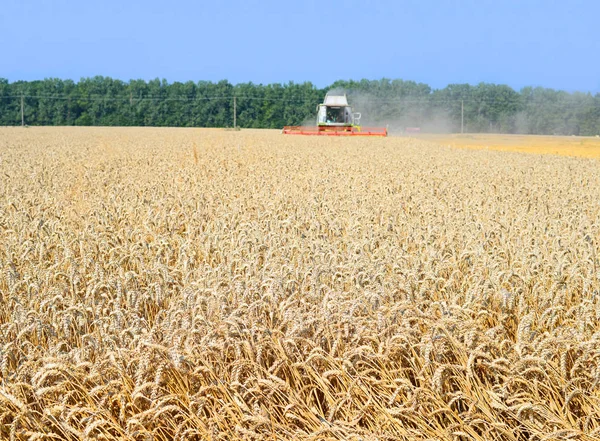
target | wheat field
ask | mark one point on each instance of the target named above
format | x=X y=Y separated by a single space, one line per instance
x=187 y=284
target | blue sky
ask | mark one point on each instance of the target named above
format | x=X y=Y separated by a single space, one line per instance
x=520 y=43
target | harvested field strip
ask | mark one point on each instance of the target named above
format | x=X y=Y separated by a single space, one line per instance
x=580 y=146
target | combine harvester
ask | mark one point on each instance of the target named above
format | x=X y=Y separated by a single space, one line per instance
x=336 y=118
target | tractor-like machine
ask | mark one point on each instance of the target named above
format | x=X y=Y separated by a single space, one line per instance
x=335 y=117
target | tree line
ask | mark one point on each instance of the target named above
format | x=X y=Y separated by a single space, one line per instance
x=399 y=104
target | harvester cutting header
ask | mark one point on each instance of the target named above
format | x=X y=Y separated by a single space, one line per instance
x=335 y=117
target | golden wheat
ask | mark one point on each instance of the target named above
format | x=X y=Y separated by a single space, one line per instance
x=209 y=285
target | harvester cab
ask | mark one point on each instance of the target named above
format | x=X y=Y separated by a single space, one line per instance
x=335 y=117
x=335 y=111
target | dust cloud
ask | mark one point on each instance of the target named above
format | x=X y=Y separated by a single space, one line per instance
x=400 y=116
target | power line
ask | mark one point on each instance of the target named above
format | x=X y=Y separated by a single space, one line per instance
x=153 y=98
x=428 y=100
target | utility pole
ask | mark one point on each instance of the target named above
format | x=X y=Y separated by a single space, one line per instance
x=235 y=112
x=462 y=116
x=22 y=113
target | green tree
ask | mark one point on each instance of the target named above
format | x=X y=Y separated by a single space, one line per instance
x=394 y=102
